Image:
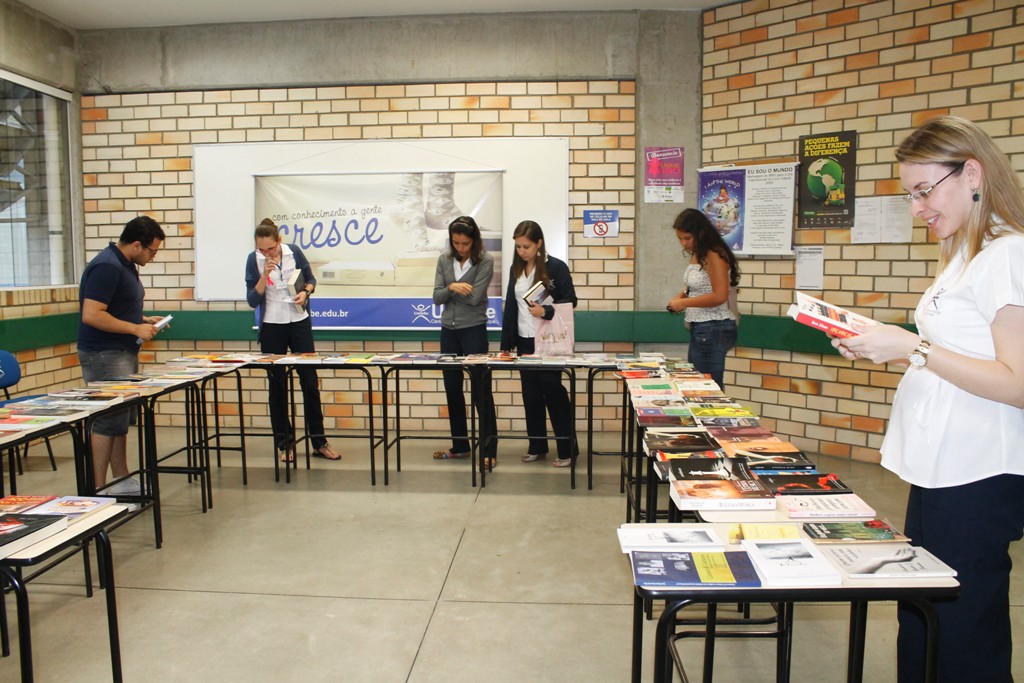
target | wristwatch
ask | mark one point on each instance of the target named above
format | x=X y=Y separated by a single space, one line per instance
x=919 y=356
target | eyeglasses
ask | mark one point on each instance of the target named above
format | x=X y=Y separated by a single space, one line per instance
x=153 y=252
x=922 y=194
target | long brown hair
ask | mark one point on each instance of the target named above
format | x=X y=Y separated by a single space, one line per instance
x=952 y=141
x=705 y=240
x=531 y=231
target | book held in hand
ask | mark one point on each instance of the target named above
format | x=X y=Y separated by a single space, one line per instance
x=21 y=530
x=886 y=561
x=536 y=294
x=670 y=569
x=830 y=319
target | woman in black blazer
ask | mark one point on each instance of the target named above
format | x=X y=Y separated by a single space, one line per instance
x=541 y=389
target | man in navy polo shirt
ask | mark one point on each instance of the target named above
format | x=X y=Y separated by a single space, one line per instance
x=110 y=334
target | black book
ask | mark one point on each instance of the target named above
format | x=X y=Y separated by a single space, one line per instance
x=804 y=484
x=682 y=442
x=19 y=531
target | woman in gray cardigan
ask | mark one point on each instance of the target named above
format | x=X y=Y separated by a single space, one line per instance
x=460 y=284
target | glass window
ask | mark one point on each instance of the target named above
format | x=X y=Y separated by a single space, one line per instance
x=35 y=205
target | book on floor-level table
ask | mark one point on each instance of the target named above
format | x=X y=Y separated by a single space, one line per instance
x=825 y=506
x=20 y=530
x=886 y=561
x=74 y=507
x=16 y=503
x=866 y=531
x=791 y=562
x=830 y=319
x=680 y=536
x=682 y=569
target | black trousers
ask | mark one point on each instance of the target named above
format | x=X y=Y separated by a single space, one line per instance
x=542 y=389
x=970 y=528
x=463 y=342
x=294 y=337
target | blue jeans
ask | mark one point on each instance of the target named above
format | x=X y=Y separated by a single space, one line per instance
x=709 y=342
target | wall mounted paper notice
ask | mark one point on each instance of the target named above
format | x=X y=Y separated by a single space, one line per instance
x=810 y=268
x=881 y=219
x=663 y=175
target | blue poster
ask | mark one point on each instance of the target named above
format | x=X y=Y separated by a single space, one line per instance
x=722 y=197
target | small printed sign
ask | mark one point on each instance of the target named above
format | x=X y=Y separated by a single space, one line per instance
x=601 y=223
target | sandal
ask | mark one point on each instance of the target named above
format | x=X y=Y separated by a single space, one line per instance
x=448 y=454
x=287 y=455
x=326 y=453
x=488 y=463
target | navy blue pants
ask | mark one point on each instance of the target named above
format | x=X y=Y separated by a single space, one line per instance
x=970 y=528
x=709 y=342
x=543 y=388
x=463 y=342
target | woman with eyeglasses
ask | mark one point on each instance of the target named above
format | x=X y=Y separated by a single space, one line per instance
x=285 y=326
x=957 y=425
x=460 y=284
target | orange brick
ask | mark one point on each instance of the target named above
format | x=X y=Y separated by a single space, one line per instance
x=812 y=23
x=921 y=117
x=896 y=89
x=826 y=97
x=835 y=420
x=764 y=367
x=806 y=386
x=863 y=60
x=94 y=114
x=842 y=17
x=775 y=383
x=149 y=139
x=868 y=424
x=727 y=41
x=742 y=81
x=911 y=36
x=754 y=35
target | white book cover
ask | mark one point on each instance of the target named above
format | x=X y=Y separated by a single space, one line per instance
x=886 y=561
x=791 y=562
x=682 y=536
x=826 y=505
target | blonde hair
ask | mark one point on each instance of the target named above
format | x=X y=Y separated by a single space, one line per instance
x=951 y=141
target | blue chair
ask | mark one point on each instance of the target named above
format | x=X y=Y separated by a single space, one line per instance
x=10 y=375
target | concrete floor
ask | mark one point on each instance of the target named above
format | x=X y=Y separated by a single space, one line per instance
x=428 y=579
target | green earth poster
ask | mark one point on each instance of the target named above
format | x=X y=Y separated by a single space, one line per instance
x=828 y=165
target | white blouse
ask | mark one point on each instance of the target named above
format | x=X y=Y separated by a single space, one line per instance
x=940 y=435
x=278 y=302
x=697 y=283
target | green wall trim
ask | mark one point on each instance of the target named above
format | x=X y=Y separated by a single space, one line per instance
x=755 y=331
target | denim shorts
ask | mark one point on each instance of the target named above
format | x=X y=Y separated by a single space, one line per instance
x=104 y=365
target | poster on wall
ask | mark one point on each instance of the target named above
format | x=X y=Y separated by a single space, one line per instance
x=373 y=240
x=663 y=175
x=828 y=168
x=750 y=206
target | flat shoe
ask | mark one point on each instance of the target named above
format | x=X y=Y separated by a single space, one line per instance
x=449 y=455
x=561 y=462
x=533 y=457
x=326 y=453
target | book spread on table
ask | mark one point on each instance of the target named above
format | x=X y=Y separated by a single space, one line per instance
x=825 y=506
x=791 y=562
x=74 y=507
x=679 y=442
x=15 y=503
x=678 y=569
x=87 y=397
x=716 y=484
x=866 y=531
x=21 y=423
x=886 y=561
x=682 y=536
x=831 y=319
x=798 y=483
x=771 y=454
x=20 y=530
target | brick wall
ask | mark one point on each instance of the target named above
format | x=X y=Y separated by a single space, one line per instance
x=775 y=70
x=137 y=158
